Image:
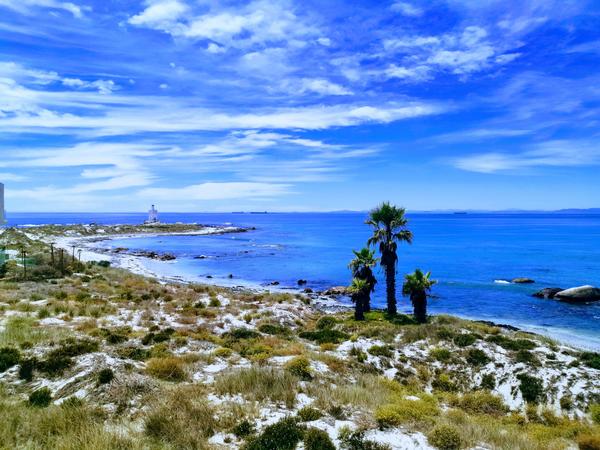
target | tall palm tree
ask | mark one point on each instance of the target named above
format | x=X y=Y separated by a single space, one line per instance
x=361 y=267
x=416 y=286
x=359 y=292
x=389 y=228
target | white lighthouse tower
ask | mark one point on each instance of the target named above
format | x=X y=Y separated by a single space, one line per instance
x=2 y=212
x=152 y=216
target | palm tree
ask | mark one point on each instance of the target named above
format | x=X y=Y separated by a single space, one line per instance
x=359 y=293
x=361 y=267
x=417 y=285
x=389 y=228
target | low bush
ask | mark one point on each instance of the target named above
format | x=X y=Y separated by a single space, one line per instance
x=355 y=440
x=223 y=352
x=590 y=359
x=41 y=398
x=299 y=366
x=406 y=411
x=481 y=402
x=283 y=435
x=441 y=354
x=465 y=339
x=595 y=413
x=308 y=414
x=105 y=376
x=240 y=333
x=315 y=439
x=488 y=381
x=511 y=344
x=269 y=328
x=72 y=347
x=445 y=437
x=26 y=368
x=526 y=357
x=566 y=402
x=55 y=364
x=168 y=368
x=589 y=442
x=381 y=350
x=244 y=429
x=477 y=357
x=326 y=323
x=325 y=336
x=443 y=382
x=531 y=388
x=9 y=357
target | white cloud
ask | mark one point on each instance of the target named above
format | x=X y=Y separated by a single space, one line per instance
x=218 y=191
x=160 y=14
x=5 y=176
x=320 y=86
x=407 y=9
x=214 y=48
x=557 y=153
x=25 y=6
x=418 y=73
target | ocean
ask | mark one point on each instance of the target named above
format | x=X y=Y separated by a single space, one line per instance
x=467 y=253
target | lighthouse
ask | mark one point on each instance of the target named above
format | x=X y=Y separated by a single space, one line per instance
x=152 y=216
x=2 y=212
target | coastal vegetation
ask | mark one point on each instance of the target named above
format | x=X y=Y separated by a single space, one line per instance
x=101 y=358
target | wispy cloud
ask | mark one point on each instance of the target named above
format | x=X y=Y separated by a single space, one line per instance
x=558 y=153
x=26 y=6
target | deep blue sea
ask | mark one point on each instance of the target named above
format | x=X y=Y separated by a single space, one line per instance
x=466 y=253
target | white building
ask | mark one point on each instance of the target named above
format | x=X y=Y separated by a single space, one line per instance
x=2 y=212
x=152 y=216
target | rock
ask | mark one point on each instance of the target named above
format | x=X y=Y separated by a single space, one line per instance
x=230 y=275
x=307 y=291
x=208 y=276
x=274 y=283
x=302 y=282
x=523 y=280
x=336 y=291
x=200 y=257
x=580 y=294
x=167 y=257
x=547 y=293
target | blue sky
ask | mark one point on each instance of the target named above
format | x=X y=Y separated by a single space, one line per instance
x=201 y=105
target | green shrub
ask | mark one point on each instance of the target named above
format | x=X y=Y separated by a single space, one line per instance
x=105 y=376
x=55 y=364
x=9 y=357
x=72 y=347
x=315 y=439
x=355 y=440
x=244 y=429
x=477 y=357
x=214 y=302
x=481 y=402
x=40 y=398
x=591 y=359
x=488 y=381
x=168 y=368
x=511 y=344
x=135 y=353
x=441 y=354
x=240 y=333
x=223 y=352
x=532 y=388
x=326 y=323
x=283 y=435
x=464 y=340
x=381 y=350
x=405 y=411
x=525 y=356
x=269 y=328
x=325 y=336
x=595 y=413
x=442 y=382
x=115 y=338
x=338 y=412
x=566 y=402
x=358 y=354
x=445 y=437
x=26 y=369
x=300 y=366
x=589 y=442
x=308 y=414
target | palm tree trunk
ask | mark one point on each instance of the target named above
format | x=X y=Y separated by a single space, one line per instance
x=367 y=307
x=359 y=306
x=390 y=280
x=419 y=301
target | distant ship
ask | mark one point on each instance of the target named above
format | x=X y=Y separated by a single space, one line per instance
x=460 y=212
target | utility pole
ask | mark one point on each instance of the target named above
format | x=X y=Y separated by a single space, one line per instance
x=62 y=261
x=52 y=253
x=73 y=247
x=79 y=255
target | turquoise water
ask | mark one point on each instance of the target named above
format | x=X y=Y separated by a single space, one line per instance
x=465 y=252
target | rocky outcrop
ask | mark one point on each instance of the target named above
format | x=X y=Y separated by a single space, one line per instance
x=581 y=294
x=302 y=282
x=336 y=291
x=548 y=293
x=523 y=280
